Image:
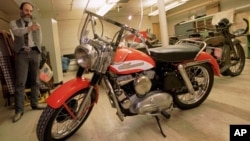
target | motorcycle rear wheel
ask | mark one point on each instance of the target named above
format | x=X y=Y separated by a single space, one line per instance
x=57 y=124
x=202 y=78
x=238 y=64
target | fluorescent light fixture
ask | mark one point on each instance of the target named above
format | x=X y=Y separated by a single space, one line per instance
x=168 y=7
x=108 y=6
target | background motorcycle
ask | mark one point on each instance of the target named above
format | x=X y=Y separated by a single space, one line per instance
x=224 y=46
x=136 y=83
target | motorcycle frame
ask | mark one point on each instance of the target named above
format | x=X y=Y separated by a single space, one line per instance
x=68 y=89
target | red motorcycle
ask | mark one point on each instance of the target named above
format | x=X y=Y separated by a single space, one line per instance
x=136 y=83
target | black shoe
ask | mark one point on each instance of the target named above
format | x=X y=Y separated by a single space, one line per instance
x=17 y=116
x=38 y=107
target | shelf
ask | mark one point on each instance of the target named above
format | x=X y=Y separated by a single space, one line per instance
x=203 y=22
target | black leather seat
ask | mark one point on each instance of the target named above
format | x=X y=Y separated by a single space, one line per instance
x=175 y=53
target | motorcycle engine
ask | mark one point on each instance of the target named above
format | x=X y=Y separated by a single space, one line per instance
x=154 y=102
x=142 y=84
x=141 y=100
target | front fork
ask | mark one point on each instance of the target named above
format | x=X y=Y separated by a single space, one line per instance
x=112 y=97
x=95 y=80
x=83 y=104
x=229 y=53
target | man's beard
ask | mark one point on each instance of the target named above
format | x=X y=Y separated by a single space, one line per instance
x=25 y=17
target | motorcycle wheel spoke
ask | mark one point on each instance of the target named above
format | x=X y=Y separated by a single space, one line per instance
x=65 y=126
x=61 y=129
x=197 y=78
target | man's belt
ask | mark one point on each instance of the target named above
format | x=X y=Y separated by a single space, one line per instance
x=28 y=49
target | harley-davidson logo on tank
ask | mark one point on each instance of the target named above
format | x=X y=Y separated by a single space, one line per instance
x=129 y=60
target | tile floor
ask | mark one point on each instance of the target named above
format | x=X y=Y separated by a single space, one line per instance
x=227 y=104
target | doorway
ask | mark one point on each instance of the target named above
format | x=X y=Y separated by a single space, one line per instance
x=157 y=30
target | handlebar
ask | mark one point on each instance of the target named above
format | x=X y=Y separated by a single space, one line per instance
x=247 y=28
x=113 y=43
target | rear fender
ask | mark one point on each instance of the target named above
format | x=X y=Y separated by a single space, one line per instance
x=66 y=90
x=212 y=61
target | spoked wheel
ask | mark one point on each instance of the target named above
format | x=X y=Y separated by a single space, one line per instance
x=202 y=78
x=237 y=63
x=59 y=124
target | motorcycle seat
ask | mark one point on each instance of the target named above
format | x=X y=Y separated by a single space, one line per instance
x=174 y=53
x=215 y=41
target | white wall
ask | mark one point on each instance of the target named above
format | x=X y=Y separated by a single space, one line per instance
x=68 y=28
x=69 y=36
x=186 y=15
x=52 y=44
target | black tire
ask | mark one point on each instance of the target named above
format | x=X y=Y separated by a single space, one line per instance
x=238 y=64
x=225 y=73
x=202 y=78
x=60 y=120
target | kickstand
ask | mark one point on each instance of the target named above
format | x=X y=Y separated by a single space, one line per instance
x=159 y=124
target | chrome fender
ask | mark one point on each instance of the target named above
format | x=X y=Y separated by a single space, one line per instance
x=66 y=90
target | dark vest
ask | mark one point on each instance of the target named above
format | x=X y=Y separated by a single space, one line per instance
x=19 y=41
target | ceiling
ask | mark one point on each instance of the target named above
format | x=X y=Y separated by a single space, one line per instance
x=59 y=6
x=64 y=9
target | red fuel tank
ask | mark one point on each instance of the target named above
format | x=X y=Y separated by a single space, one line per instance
x=129 y=60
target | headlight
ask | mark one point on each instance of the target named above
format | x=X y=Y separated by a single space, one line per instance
x=85 y=55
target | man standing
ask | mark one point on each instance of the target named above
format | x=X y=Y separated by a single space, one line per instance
x=27 y=46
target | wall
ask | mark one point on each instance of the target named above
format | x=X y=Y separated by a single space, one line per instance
x=186 y=15
x=68 y=35
x=50 y=40
x=69 y=30
x=240 y=13
x=52 y=44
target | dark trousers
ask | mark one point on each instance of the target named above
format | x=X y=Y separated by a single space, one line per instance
x=26 y=64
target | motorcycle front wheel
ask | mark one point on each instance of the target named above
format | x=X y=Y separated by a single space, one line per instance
x=237 y=63
x=58 y=124
x=202 y=79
